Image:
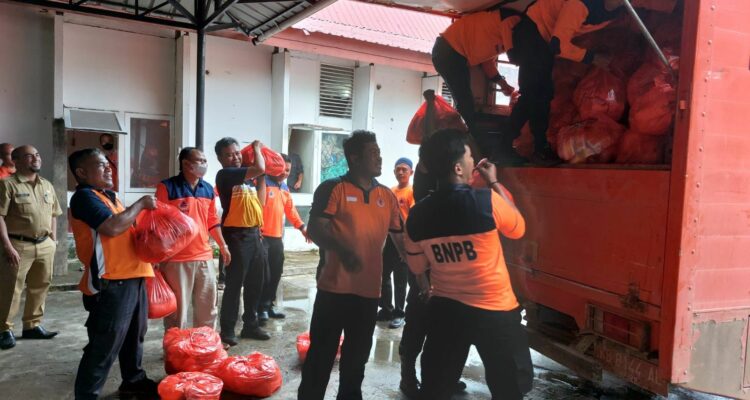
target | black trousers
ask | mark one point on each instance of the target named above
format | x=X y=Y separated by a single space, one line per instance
x=222 y=272
x=415 y=330
x=332 y=314
x=499 y=338
x=393 y=291
x=274 y=248
x=247 y=270
x=116 y=328
x=535 y=60
x=454 y=69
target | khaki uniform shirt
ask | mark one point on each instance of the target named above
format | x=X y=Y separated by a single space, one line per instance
x=28 y=207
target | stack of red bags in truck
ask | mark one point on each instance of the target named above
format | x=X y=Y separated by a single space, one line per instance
x=199 y=367
x=624 y=112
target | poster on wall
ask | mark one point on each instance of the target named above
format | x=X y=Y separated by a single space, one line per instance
x=333 y=162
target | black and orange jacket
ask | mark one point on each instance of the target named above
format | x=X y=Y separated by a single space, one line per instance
x=104 y=257
x=481 y=36
x=454 y=232
x=559 y=21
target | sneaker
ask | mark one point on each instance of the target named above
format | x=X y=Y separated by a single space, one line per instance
x=275 y=314
x=254 y=332
x=545 y=158
x=409 y=387
x=263 y=316
x=229 y=340
x=460 y=387
x=143 y=386
x=396 y=323
x=384 y=315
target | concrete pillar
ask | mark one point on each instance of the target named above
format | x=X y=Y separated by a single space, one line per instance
x=59 y=152
x=364 y=97
x=280 y=92
x=60 y=182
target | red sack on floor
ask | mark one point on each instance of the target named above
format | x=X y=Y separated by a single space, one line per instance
x=636 y=148
x=303 y=345
x=562 y=113
x=193 y=350
x=190 y=386
x=435 y=113
x=275 y=164
x=593 y=141
x=163 y=232
x=600 y=93
x=254 y=375
x=652 y=96
x=161 y=298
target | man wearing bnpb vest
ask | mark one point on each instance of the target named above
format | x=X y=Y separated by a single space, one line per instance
x=468 y=278
x=114 y=291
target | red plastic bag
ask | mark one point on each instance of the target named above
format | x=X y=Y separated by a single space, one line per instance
x=193 y=350
x=303 y=345
x=652 y=96
x=435 y=113
x=600 y=93
x=161 y=298
x=636 y=148
x=190 y=386
x=254 y=375
x=163 y=232
x=562 y=112
x=593 y=141
x=275 y=164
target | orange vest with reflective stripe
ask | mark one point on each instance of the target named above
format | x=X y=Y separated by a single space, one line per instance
x=115 y=256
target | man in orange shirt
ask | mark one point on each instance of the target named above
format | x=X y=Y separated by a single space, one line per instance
x=350 y=218
x=113 y=286
x=8 y=167
x=392 y=262
x=546 y=31
x=278 y=204
x=475 y=39
x=190 y=273
x=468 y=277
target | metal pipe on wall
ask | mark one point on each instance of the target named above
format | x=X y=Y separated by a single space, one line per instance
x=200 y=89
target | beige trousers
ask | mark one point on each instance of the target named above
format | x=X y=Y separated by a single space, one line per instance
x=193 y=282
x=35 y=271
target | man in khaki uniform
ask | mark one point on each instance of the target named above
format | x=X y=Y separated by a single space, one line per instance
x=28 y=220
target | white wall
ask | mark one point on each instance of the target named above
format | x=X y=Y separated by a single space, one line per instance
x=238 y=94
x=395 y=102
x=26 y=80
x=120 y=71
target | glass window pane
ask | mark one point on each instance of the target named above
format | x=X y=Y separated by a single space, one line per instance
x=333 y=162
x=510 y=72
x=149 y=152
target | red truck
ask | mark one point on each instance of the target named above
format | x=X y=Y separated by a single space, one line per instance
x=644 y=271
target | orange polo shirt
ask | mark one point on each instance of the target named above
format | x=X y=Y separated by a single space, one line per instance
x=559 y=21
x=462 y=248
x=278 y=204
x=200 y=205
x=481 y=36
x=405 y=199
x=361 y=218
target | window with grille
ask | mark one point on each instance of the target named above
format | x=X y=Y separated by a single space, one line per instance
x=447 y=95
x=336 y=91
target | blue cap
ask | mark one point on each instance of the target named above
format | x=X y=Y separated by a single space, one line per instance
x=404 y=160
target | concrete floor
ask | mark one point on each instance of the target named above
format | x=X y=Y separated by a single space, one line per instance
x=46 y=369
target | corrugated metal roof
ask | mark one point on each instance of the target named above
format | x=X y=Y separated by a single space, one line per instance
x=388 y=26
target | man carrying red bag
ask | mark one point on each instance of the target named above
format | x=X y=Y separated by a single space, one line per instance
x=114 y=291
x=241 y=220
x=190 y=273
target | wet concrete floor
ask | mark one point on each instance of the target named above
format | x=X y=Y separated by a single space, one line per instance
x=46 y=369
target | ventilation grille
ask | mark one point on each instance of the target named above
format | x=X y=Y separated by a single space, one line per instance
x=336 y=89
x=446 y=93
